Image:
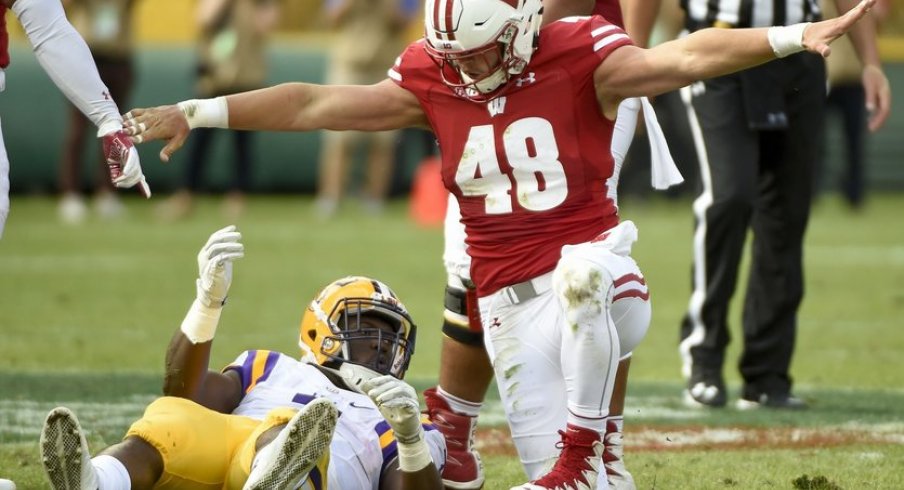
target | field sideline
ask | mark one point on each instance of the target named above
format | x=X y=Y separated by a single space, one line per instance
x=86 y=312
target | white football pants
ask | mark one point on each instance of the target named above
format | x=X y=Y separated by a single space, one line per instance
x=558 y=350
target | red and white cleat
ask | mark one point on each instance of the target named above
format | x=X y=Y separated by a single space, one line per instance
x=463 y=470
x=613 y=459
x=578 y=465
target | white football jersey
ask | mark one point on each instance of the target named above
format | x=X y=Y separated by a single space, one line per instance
x=363 y=443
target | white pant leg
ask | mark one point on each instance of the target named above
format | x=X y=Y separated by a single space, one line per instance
x=455 y=255
x=582 y=282
x=605 y=303
x=4 y=183
x=531 y=350
x=523 y=342
x=631 y=308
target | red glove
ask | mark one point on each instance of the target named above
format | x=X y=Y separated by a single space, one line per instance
x=123 y=163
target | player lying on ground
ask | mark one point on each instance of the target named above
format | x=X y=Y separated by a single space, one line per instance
x=269 y=421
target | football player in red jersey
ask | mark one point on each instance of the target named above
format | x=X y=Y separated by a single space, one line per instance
x=524 y=119
x=465 y=369
x=65 y=57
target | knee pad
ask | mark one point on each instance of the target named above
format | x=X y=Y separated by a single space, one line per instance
x=461 y=318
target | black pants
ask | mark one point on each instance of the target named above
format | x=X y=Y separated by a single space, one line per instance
x=203 y=138
x=201 y=145
x=754 y=179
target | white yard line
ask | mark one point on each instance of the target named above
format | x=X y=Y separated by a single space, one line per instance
x=25 y=418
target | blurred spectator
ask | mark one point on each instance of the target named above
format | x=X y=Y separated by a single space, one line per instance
x=106 y=26
x=846 y=97
x=231 y=58
x=371 y=34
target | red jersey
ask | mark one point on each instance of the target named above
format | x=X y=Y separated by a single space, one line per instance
x=530 y=167
x=4 y=39
x=611 y=10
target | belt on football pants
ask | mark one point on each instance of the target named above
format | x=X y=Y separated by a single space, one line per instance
x=527 y=290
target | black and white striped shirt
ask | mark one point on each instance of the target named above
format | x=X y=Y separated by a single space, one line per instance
x=749 y=13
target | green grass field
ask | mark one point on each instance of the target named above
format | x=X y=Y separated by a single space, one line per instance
x=86 y=312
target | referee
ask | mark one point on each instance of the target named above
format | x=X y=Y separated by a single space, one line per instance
x=758 y=136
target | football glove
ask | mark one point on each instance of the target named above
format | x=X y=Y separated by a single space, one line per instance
x=123 y=162
x=215 y=266
x=398 y=403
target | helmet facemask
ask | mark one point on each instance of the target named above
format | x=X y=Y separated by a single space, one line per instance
x=494 y=63
x=365 y=328
x=372 y=337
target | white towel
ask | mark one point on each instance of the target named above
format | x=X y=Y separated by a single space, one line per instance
x=663 y=171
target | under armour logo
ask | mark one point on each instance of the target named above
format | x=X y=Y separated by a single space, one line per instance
x=495 y=323
x=530 y=78
x=106 y=95
x=496 y=106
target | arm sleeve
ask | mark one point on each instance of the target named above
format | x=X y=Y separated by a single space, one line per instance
x=65 y=57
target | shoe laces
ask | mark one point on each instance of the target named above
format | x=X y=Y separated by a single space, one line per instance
x=573 y=463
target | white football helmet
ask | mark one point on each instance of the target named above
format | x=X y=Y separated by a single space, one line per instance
x=496 y=36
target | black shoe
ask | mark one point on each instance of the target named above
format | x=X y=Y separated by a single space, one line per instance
x=702 y=394
x=778 y=402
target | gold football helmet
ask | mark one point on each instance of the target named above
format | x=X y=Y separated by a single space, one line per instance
x=341 y=318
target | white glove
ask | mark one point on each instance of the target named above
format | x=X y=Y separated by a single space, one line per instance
x=215 y=266
x=398 y=403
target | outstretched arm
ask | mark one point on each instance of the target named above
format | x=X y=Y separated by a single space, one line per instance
x=65 y=57
x=631 y=72
x=875 y=84
x=286 y=107
x=188 y=354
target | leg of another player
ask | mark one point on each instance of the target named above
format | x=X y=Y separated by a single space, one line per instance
x=465 y=375
x=465 y=370
x=380 y=162
x=141 y=461
x=617 y=474
x=334 y=166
